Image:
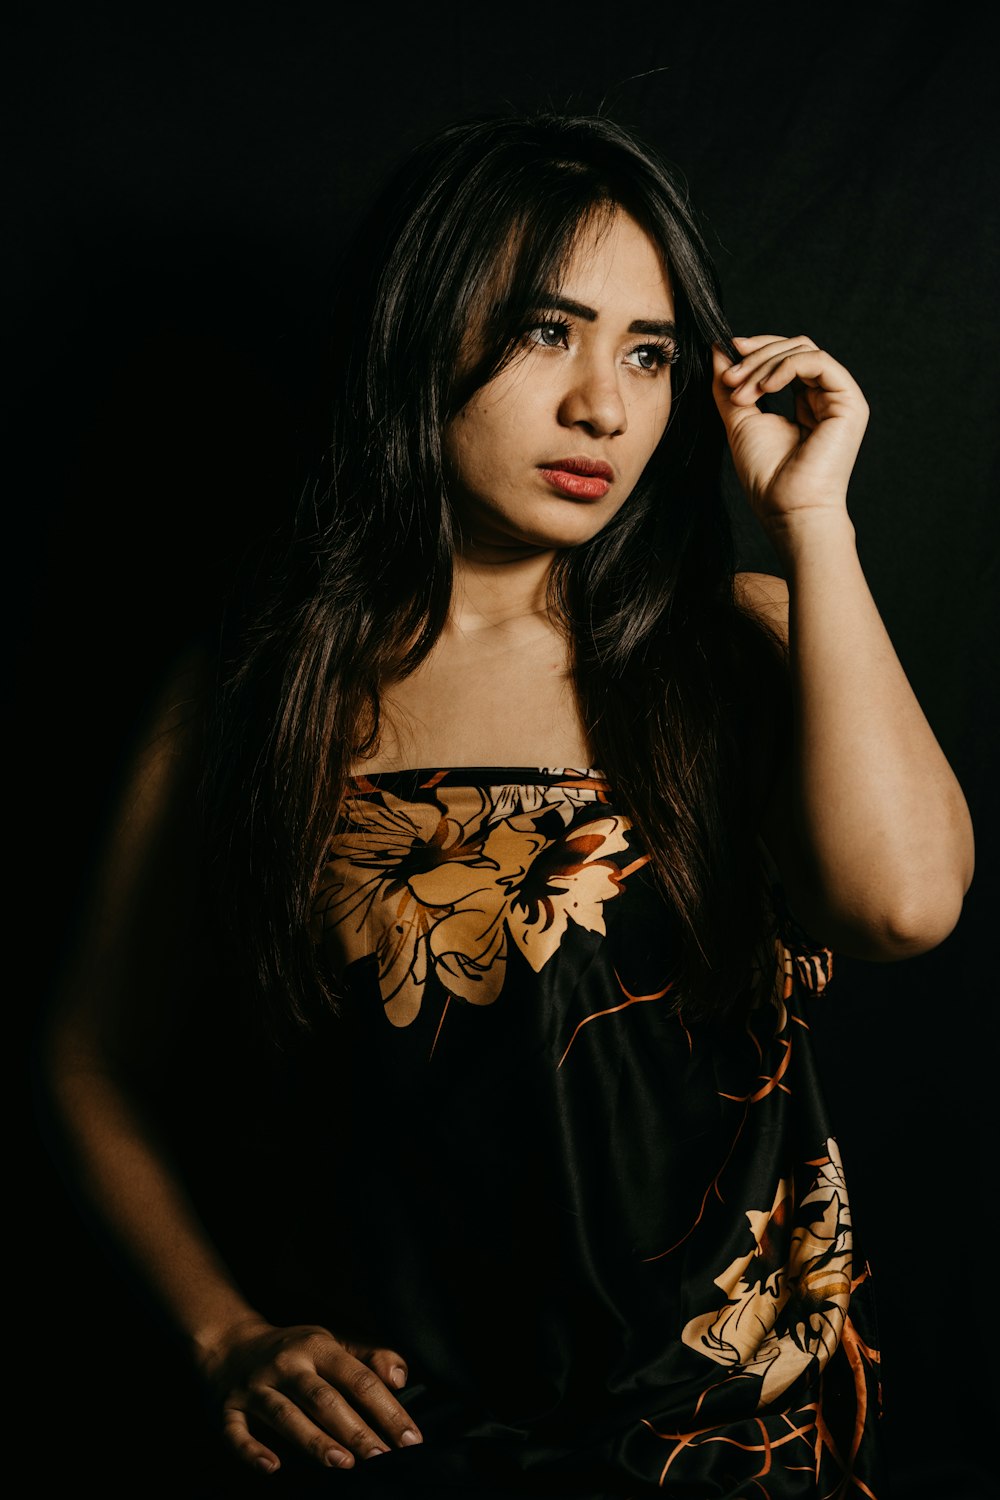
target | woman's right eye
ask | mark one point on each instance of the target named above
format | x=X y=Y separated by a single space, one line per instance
x=548 y=335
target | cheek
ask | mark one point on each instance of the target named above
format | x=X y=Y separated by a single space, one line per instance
x=486 y=437
x=473 y=452
x=469 y=447
x=648 y=425
x=661 y=415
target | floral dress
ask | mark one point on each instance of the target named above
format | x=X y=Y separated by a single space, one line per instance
x=614 y=1247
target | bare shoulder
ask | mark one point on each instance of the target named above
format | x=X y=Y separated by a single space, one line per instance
x=766 y=596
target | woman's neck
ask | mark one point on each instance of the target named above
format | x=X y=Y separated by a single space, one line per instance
x=500 y=588
x=496 y=688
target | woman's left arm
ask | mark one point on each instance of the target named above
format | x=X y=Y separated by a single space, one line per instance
x=868 y=824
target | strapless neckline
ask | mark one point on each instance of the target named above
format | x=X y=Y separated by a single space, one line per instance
x=519 y=775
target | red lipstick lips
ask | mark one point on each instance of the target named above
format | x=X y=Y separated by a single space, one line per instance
x=580 y=478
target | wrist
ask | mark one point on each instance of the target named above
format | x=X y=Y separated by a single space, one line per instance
x=802 y=536
x=210 y=1343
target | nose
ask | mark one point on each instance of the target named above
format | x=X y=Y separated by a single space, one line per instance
x=593 y=400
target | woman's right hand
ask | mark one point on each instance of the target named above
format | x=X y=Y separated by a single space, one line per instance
x=330 y=1398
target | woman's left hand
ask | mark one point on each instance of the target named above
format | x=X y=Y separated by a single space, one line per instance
x=790 y=469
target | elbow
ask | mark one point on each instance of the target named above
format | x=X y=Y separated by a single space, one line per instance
x=905 y=916
x=916 y=926
x=929 y=914
x=888 y=907
x=891 y=920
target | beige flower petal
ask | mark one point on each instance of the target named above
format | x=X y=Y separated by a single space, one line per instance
x=469 y=952
x=455 y=880
x=371 y=896
x=401 y=951
x=404 y=1008
x=377 y=826
x=569 y=879
x=811 y=1289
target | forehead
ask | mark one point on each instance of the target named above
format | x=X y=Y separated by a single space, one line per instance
x=614 y=263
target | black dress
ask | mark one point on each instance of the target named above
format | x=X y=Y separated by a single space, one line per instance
x=615 y=1248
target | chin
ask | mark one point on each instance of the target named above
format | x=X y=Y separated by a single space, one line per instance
x=556 y=524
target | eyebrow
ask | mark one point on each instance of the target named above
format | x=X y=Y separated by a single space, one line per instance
x=664 y=328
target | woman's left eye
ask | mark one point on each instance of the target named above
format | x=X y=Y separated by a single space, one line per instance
x=652 y=356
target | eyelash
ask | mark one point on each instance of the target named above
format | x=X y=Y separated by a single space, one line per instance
x=664 y=351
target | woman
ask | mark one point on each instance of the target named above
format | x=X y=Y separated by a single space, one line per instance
x=510 y=788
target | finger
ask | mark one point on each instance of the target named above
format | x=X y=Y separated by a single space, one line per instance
x=835 y=392
x=725 y=384
x=805 y=417
x=389 y=1366
x=814 y=367
x=767 y=353
x=245 y=1446
x=342 y=1435
x=334 y=1413
x=721 y=361
x=288 y=1422
x=369 y=1395
x=752 y=344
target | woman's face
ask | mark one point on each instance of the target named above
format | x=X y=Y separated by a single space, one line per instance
x=549 y=450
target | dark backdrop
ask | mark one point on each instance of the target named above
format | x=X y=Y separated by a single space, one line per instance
x=178 y=185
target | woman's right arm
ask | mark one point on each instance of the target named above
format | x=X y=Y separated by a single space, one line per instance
x=115 y=1005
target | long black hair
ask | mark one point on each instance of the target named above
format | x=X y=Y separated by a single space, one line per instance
x=463 y=235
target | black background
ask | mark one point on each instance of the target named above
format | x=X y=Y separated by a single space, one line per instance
x=177 y=185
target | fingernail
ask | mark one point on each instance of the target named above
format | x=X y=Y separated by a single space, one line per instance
x=338 y=1460
x=398 y=1376
x=376 y=1452
x=409 y=1437
x=266 y=1465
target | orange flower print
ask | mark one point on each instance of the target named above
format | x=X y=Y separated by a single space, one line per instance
x=563 y=880
x=786 y=1299
x=397 y=869
x=444 y=885
x=540 y=885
